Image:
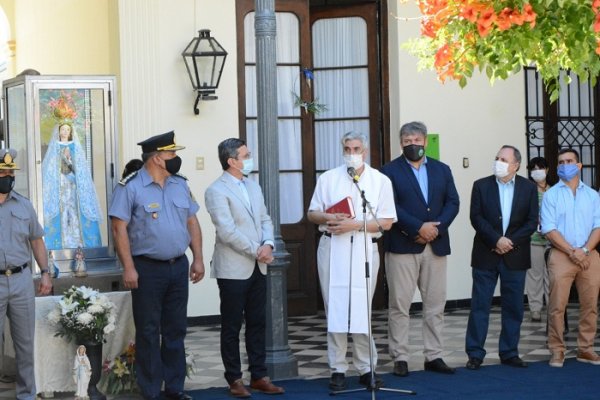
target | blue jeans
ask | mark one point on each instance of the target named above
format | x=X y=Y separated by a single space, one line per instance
x=512 y=286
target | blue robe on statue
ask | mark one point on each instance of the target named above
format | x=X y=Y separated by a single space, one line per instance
x=71 y=207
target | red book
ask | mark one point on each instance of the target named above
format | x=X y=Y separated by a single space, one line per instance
x=343 y=206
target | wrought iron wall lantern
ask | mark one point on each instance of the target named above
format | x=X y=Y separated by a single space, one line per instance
x=204 y=59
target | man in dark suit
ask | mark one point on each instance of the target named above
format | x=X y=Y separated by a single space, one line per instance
x=504 y=213
x=417 y=245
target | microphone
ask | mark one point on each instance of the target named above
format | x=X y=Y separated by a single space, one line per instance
x=352 y=172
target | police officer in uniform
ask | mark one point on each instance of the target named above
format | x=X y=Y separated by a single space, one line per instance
x=20 y=234
x=153 y=216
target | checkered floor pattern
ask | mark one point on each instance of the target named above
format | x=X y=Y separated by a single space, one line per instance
x=307 y=340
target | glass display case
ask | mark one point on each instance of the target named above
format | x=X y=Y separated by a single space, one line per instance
x=64 y=130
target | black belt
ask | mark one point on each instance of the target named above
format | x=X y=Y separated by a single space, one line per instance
x=13 y=270
x=374 y=240
x=154 y=260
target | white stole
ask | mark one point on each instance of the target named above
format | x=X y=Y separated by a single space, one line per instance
x=347 y=303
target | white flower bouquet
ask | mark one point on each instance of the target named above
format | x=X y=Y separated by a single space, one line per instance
x=84 y=315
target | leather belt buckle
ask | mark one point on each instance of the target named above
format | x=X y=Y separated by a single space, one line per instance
x=8 y=272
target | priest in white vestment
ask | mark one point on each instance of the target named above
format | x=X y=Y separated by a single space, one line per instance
x=341 y=255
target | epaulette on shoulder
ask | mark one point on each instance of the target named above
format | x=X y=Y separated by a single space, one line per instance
x=181 y=176
x=129 y=177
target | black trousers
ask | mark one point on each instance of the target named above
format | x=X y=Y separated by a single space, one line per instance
x=243 y=300
x=160 y=315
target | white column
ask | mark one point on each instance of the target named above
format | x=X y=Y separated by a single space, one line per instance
x=139 y=79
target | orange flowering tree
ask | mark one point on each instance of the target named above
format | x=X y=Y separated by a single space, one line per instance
x=501 y=36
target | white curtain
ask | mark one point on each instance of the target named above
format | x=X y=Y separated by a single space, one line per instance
x=340 y=45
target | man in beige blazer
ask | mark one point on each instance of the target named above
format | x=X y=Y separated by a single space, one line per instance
x=243 y=247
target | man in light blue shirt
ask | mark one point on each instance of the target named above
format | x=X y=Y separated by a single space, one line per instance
x=570 y=220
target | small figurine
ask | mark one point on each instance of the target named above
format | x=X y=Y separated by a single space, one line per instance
x=80 y=269
x=53 y=269
x=82 y=372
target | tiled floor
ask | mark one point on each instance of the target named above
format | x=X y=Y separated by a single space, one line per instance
x=307 y=342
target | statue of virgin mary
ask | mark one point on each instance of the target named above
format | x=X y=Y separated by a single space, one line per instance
x=71 y=208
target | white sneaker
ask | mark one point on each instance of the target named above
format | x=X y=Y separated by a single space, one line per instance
x=536 y=316
x=557 y=359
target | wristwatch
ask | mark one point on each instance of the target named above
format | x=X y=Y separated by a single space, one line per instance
x=586 y=250
x=44 y=271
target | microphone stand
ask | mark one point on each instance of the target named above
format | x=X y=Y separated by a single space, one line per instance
x=372 y=387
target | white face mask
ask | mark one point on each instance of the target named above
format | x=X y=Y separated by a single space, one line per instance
x=538 y=175
x=353 y=160
x=500 y=169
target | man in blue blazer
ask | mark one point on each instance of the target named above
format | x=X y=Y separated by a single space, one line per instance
x=417 y=245
x=504 y=213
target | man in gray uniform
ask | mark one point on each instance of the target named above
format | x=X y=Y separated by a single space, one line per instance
x=153 y=216
x=20 y=234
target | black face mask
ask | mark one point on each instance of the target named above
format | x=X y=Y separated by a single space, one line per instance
x=173 y=165
x=6 y=184
x=413 y=152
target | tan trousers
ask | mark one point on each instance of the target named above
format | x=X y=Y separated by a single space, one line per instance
x=562 y=273
x=404 y=273
x=337 y=343
x=536 y=283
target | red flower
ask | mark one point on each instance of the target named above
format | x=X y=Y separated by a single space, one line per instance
x=429 y=28
x=469 y=13
x=595 y=5
x=503 y=21
x=517 y=18
x=530 y=16
x=597 y=23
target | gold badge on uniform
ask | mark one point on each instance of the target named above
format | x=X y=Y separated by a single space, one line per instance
x=154 y=213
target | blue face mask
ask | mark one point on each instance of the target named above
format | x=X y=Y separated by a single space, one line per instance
x=248 y=166
x=566 y=172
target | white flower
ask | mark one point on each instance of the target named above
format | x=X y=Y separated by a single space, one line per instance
x=95 y=309
x=67 y=305
x=54 y=316
x=85 y=318
x=87 y=292
x=111 y=319
x=109 y=328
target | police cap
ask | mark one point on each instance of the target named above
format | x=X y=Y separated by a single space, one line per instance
x=163 y=142
x=7 y=159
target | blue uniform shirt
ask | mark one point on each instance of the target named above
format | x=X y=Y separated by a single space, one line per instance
x=19 y=225
x=157 y=217
x=573 y=216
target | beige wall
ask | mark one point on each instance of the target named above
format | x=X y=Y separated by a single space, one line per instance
x=62 y=36
x=473 y=122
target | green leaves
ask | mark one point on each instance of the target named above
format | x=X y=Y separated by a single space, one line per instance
x=499 y=37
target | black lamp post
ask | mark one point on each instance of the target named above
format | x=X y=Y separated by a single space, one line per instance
x=204 y=59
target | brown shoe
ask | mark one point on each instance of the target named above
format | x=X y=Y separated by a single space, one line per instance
x=588 y=357
x=237 y=389
x=265 y=385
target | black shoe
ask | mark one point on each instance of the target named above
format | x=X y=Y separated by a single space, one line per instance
x=514 y=362
x=474 y=363
x=365 y=380
x=401 y=368
x=337 y=381
x=438 y=365
x=177 y=396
